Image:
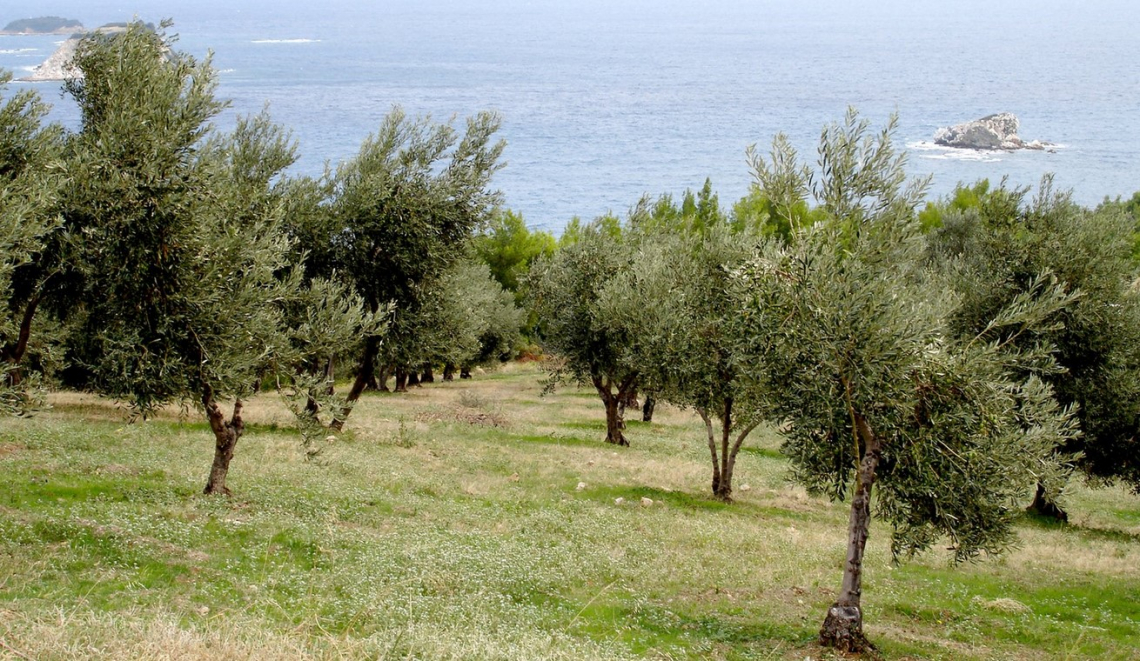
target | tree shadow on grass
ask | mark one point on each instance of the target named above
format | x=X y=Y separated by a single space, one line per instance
x=1040 y=522
x=763 y=452
x=684 y=501
x=653 y=629
x=560 y=439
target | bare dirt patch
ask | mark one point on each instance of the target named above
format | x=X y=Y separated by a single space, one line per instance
x=465 y=415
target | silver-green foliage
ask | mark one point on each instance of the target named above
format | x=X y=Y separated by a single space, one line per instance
x=845 y=340
x=467 y=317
x=565 y=291
x=31 y=175
x=404 y=207
x=992 y=246
x=189 y=273
x=673 y=302
x=674 y=306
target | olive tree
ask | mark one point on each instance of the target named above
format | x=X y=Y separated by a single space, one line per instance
x=185 y=265
x=317 y=319
x=467 y=318
x=675 y=305
x=565 y=292
x=992 y=245
x=844 y=341
x=402 y=211
x=31 y=175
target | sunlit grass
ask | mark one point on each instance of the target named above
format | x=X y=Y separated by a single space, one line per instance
x=449 y=523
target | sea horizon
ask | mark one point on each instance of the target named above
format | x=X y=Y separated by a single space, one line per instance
x=603 y=103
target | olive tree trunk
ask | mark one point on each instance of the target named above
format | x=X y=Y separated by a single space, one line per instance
x=1043 y=506
x=648 y=407
x=724 y=449
x=449 y=371
x=226 y=435
x=612 y=399
x=14 y=352
x=364 y=372
x=428 y=375
x=614 y=421
x=843 y=626
x=330 y=376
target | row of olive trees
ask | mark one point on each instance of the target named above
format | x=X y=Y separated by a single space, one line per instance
x=951 y=358
x=155 y=259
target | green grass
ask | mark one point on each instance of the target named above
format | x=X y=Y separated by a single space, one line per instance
x=448 y=523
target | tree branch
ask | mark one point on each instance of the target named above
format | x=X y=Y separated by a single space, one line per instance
x=712 y=438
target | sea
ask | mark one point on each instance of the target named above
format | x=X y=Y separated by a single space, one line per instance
x=604 y=101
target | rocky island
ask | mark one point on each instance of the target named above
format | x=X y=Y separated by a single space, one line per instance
x=43 y=25
x=993 y=132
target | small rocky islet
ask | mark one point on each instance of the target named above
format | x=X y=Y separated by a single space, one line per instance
x=997 y=132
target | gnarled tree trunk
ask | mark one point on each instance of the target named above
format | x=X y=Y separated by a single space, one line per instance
x=428 y=375
x=614 y=421
x=465 y=372
x=401 y=380
x=630 y=401
x=1043 y=506
x=448 y=371
x=648 y=407
x=612 y=400
x=382 y=376
x=414 y=379
x=843 y=626
x=330 y=377
x=364 y=372
x=14 y=353
x=226 y=435
x=723 y=450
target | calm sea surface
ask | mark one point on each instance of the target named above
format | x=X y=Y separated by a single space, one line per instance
x=605 y=100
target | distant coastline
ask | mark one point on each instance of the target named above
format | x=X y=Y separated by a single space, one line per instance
x=43 y=25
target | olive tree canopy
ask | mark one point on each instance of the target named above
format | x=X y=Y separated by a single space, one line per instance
x=993 y=244
x=185 y=267
x=848 y=346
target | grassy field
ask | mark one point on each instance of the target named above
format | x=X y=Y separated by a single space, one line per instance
x=478 y=520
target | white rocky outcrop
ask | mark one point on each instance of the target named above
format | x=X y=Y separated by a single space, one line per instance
x=59 y=65
x=997 y=131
